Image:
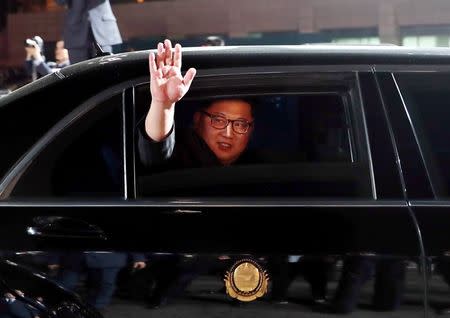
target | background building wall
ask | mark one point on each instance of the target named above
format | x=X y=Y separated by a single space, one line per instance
x=237 y=19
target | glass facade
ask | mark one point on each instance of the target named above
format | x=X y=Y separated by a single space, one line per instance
x=426 y=41
x=357 y=40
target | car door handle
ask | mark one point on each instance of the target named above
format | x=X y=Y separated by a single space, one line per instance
x=64 y=227
x=183 y=212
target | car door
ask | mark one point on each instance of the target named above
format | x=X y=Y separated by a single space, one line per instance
x=420 y=113
x=329 y=219
x=54 y=163
x=318 y=208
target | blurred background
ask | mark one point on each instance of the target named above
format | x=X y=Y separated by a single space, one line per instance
x=143 y=23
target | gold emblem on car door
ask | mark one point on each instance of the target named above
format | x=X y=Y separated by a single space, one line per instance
x=246 y=280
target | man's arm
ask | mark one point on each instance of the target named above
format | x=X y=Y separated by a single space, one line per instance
x=34 y=57
x=138 y=260
x=43 y=69
x=28 y=67
x=152 y=153
x=167 y=86
x=156 y=135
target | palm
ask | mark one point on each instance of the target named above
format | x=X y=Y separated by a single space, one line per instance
x=168 y=88
x=167 y=85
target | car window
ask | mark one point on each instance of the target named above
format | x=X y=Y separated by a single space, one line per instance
x=84 y=159
x=429 y=112
x=306 y=141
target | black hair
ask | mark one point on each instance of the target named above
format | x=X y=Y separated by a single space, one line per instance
x=249 y=100
x=214 y=41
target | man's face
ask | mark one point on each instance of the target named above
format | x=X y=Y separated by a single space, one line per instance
x=61 y=53
x=225 y=143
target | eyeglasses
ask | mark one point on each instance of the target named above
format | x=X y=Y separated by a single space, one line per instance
x=239 y=126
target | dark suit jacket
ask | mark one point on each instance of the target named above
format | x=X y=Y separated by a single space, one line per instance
x=188 y=151
x=85 y=14
x=179 y=150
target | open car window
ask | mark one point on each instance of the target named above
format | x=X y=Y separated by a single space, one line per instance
x=305 y=143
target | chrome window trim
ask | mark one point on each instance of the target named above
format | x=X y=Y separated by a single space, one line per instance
x=426 y=163
x=366 y=137
x=428 y=68
x=10 y=179
x=430 y=203
x=208 y=202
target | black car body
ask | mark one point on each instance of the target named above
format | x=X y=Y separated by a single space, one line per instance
x=348 y=192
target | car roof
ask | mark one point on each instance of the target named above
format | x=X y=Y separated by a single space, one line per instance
x=121 y=67
x=315 y=54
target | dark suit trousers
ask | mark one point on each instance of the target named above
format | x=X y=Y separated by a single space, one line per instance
x=101 y=284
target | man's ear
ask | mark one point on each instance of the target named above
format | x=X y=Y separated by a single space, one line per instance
x=251 y=129
x=196 y=119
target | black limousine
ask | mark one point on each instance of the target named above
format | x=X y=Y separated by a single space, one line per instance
x=341 y=208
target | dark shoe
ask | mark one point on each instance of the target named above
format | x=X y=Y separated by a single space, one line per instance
x=444 y=311
x=321 y=305
x=154 y=305
x=320 y=301
x=281 y=301
x=157 y=303
x=103 y=311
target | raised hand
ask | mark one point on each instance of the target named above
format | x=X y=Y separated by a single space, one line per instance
x=33 y=52
x=167 y=85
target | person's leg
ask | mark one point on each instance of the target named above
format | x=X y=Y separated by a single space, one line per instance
x=443 y=267
x=186 y=271
x=389 y=284
x=103 y=286
x=282 y=274
x=357 y=271
x=315 y=272
x=107 y=48
x=69 y=278
x=442 y=264
x=165 y=271
x=78 y=55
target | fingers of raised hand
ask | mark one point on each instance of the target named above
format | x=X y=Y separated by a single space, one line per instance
x=152 y=64
x=189 y=76
x=166 y=56
x=160 y=55
x=166 y=62
x=168 y=48
x=177 y=56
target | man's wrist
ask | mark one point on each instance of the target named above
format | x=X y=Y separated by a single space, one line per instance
x=161 y=105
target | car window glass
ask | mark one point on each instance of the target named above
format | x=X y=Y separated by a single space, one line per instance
x=86 y=159
x=303 y=143
x=430 y=115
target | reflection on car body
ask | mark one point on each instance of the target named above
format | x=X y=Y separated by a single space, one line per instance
x=340 y=207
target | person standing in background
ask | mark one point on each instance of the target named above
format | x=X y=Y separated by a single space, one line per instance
x=214 y=40
x=34 y=49
x=35 y=64
x=101 y=268
x=88 y=22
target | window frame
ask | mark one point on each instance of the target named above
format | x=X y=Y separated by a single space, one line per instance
x=426 y=158
x=18 y=170
x=216 y=78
